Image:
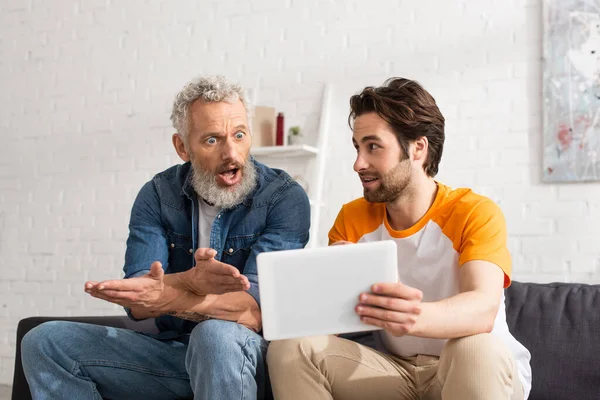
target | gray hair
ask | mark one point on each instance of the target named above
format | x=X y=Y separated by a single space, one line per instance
x=211 y=89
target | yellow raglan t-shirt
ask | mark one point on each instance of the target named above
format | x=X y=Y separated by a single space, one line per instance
x=460 y=226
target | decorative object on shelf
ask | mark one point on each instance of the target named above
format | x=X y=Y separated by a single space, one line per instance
x=294 y=135
x=263 y=126
x=305 y=163
x=279 y=134
x=571 y=89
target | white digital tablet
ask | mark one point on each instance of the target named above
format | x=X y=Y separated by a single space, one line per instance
x=312 y=292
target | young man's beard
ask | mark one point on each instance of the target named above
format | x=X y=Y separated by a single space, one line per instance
x=206 y=186
x=392 y=184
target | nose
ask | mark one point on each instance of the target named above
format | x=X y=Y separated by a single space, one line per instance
x=360 y=163
x=229 y=150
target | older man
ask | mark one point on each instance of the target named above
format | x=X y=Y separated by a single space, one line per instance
x=195 y=232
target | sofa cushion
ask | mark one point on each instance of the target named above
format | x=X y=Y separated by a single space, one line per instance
x=559 y=323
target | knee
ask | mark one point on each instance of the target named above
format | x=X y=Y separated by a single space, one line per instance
x=224 y=340
x=282 y=353
x=218 y=336
x=474 y=365
x=280 y=350
x=483 y=350
x=41 y=339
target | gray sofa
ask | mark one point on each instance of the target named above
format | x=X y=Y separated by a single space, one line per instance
x=559 y=323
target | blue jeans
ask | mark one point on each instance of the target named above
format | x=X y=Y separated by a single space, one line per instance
x=70 y=360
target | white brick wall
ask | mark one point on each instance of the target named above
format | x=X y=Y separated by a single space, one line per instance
x=86 y=86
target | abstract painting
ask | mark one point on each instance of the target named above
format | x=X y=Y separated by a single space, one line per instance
x=571 y=82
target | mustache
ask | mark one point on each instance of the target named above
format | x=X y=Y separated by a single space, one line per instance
x=368 y=175
x=229 y=166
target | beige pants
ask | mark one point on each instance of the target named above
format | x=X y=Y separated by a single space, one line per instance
x=328 y=367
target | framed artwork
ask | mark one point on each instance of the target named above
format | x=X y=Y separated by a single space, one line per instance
x=571 y=90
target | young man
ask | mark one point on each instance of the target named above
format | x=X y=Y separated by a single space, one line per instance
x=444 y=332
x=194 y=230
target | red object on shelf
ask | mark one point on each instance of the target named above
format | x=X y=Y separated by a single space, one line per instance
x=279 y=135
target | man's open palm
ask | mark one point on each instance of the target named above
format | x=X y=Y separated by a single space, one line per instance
x=210 y=276
x=144 y=291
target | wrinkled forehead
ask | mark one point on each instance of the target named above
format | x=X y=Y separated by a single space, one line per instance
x=222 y=114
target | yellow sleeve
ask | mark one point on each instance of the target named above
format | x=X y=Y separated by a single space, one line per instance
x=484 y=238
x=338 y=230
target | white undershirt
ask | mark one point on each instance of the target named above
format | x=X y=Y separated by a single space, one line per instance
x=206 y=217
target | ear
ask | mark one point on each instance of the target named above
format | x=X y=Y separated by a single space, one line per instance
x=419 y=148
x=179 y=145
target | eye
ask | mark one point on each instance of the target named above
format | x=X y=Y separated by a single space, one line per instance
x=374 y=146
x=211 y=140
x=240 y=135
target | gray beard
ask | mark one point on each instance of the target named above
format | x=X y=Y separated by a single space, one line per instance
x=206 y=186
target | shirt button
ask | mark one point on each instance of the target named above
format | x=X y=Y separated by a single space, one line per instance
x=230 y=251
x=191 y=251
x=219 y=216
x=172 y=245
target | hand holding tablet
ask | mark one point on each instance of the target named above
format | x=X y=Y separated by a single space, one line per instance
x=315 y=291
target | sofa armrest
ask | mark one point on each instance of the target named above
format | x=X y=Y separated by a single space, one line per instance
x=20 y=388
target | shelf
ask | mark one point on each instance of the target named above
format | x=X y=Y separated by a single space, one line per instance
x=300 y=150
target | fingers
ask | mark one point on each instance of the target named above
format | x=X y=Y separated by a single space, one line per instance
x=118 y=295
x=219 y=268
x=203 y=254
x=224 y=280
x=128 y=285
x=230 y=280
x=394 y=307
x=245 y=282
x=341 y=242
x=101 y=296
x=398 y=290
x=233 y=288
x=122 y=298
x=156 y=270
x=394 y=328
x=89 y=285
x=132 y=284
x=386 y=315
x=390 y=303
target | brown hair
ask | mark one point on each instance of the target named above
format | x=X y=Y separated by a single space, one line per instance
x=410 y=110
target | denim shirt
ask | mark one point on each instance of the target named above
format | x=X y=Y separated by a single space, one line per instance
x=164 y=227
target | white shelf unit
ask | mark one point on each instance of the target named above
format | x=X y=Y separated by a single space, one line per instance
x=312 y=159
x=300 y=150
